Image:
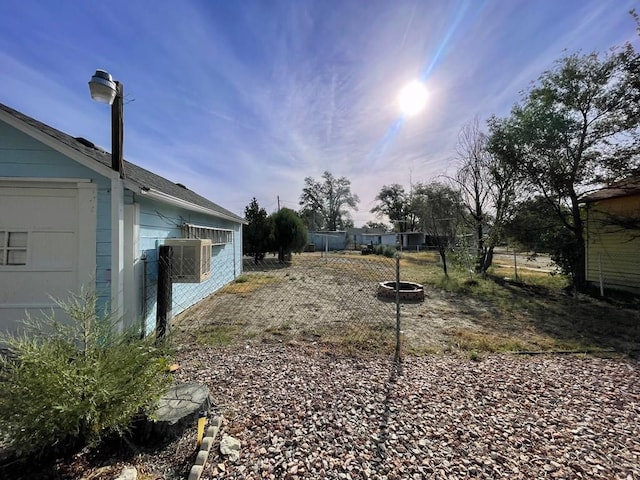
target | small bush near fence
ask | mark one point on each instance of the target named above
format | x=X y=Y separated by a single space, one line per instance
x=385 y=250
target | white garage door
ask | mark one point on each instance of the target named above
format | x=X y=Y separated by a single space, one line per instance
x=41 y=251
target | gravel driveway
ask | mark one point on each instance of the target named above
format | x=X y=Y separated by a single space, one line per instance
x=301 y=411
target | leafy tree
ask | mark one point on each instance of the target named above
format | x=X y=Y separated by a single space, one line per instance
x=289 y=233
x=438 y=208
x=312 y=219
x=487 y=186
x=578 y=125
x=328 y=200
x=536 y=227
x=395 y=204
x=377 y=226
x=256 y=236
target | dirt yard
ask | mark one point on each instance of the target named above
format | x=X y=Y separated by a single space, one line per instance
x=333 y=299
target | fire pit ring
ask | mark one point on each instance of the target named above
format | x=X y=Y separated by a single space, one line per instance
x=410 y=291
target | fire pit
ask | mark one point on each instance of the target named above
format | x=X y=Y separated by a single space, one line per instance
x=408 y=291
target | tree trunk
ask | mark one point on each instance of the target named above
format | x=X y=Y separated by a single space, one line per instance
x=580 y=274
x=443 y=256
x=480 y=252
x=487 y=260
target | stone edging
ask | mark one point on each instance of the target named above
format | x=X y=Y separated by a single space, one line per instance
x=205 y=449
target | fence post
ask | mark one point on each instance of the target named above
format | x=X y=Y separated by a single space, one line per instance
x=165 y=291
x=397 y=359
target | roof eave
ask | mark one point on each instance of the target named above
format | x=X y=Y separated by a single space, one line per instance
x=178 y=202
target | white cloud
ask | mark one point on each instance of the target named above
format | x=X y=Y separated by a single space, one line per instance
x=246 y=99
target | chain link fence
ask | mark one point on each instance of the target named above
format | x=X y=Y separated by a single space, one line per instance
x=172 y=284
x=325 y=298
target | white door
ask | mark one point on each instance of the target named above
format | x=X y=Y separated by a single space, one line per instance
x=44 y=255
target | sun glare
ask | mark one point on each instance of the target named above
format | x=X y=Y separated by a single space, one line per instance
x=412 y=98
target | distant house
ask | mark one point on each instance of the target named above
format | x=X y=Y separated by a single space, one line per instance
x=331 y=241
x=412 y=240
x=69 y=221
x=369 y=236
x=350 y=239
x=612 y=225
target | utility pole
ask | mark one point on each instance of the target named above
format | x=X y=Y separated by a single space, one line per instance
x=278 y=197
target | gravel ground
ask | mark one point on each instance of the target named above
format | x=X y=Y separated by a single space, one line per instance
x=301 y=411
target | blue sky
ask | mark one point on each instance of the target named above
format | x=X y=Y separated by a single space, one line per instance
x=237 y=99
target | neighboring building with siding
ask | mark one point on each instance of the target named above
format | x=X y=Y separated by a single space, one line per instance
x=330 y=241
x=612 y=243
x=371 y=237
x=69 y=221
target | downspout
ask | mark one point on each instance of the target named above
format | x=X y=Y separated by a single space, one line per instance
x=117 y=249
x=143 y=302
x=233 y=243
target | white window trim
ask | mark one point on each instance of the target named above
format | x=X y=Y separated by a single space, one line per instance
x=218 y=236
x=5 y=249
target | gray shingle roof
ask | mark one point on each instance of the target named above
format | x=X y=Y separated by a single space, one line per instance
x=141 y=177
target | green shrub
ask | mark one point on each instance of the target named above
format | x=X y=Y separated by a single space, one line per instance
x=69 y=384
x=385 y=250
x=389 y=251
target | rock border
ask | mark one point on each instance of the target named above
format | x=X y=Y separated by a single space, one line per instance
x=205 y=449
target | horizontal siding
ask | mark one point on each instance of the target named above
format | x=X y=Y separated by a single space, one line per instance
x=613 y=254
x=23 y=156
x=329 y=241
x=159 y=222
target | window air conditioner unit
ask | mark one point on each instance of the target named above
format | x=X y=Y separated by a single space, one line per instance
x=191 y=259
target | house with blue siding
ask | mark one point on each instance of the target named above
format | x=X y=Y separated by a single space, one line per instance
x=69 y=221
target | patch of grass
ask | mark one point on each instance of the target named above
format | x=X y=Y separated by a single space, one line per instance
x=474 y=356
x=421 y=258
x=549 y=280
x=425 y=268
x=250 y=282
x=284 y=329
x=472 y=341
x=475 y=342
x=374 y=337
x=219 y=335
x=347 y=265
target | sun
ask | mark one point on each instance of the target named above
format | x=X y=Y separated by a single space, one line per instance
x=412 y=98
